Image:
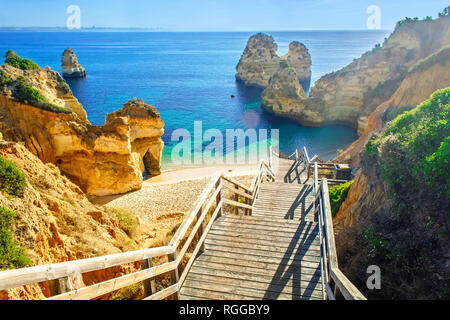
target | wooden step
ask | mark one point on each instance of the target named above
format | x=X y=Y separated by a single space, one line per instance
x=267 y=242
x=268 y=221
x=224 y=291
x=255 y=262
x=262 y=257
x=270 y=289
x=289 y=248
x=308 y=226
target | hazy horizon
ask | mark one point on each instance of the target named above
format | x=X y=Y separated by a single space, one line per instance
x=214 y=15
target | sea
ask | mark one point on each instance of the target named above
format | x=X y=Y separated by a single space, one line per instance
x=190 y=78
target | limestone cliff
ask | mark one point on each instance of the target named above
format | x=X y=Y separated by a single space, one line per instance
x=70 y=66
x=38 y=108
x=351 y=94
x=56 y=222
x=260 y=61
x=425 y=77
x=283 y=92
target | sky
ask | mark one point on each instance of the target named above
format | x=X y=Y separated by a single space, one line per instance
x=215 y=15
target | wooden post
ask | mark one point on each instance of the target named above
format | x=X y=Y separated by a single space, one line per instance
x=201 y=229
x=219 y=197
x=149 y=284
x=69 y=283
x=175 y=275
x=236 y=198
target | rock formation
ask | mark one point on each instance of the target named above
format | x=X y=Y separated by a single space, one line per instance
x=70 y=66
x=283 y=92
x=57 y=223
x=260 y=61
x=351 y=94
x=102 y=160
x=299 y=59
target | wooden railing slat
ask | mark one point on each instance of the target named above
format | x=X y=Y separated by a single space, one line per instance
x=108 y=286
x=164 y=293
x=20 y=277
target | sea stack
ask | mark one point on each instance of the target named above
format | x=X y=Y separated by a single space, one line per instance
x=260 y=61
x=70 y=66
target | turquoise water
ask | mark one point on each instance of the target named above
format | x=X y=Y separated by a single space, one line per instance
x=190 y=77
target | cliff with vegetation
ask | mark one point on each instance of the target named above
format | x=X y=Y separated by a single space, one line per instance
x=45 y=218
x=350 y=95
x=395 y=215
x=260 y=61
x=38 y=108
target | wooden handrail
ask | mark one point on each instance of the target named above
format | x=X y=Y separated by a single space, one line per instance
x=329 y=262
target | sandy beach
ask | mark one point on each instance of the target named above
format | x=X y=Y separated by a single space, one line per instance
x=164 y=200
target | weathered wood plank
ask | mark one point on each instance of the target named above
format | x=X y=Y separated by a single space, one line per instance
x=20 y=277
x=105 y=287
x=237 y=204
x=255 y=261
x=164 y=293
x=310 y=248
x=269 y=290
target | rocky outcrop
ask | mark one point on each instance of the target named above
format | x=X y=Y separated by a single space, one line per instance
x=102 y=160
x=283 y=92
x=424 y=78
x=351 y=94
x=299 y=59
x=260 y=61
x=56 y=222
x=70 y=66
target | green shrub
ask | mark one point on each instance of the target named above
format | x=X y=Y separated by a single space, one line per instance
x=394 y=113
x=127 y=221
x=441 y=56
x=12 y=180
x=28 y=95
x=337 y=196
x=5 y=79
x=14 y=60
x=11 y=254
x=131 y=292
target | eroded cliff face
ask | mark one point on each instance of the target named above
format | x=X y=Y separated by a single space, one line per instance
x=351 y=94
x=260 y=61
x=56 y=222
x=70 y=66
x=283 y=93
x=424 y=78
x=102 y=160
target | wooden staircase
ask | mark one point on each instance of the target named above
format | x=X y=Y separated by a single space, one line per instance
x=272 y=240
x=273 y=254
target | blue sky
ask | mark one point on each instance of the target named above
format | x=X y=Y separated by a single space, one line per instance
x=203 y=15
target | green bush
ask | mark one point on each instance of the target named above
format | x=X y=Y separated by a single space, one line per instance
x=11 y=254
x=14 y=60
x=394 y=113
x=5 y=79
x=127 y=221
x=415 y=143
x=12 y=180
x=338 y=194
x=28 y=95
x=409 y=241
